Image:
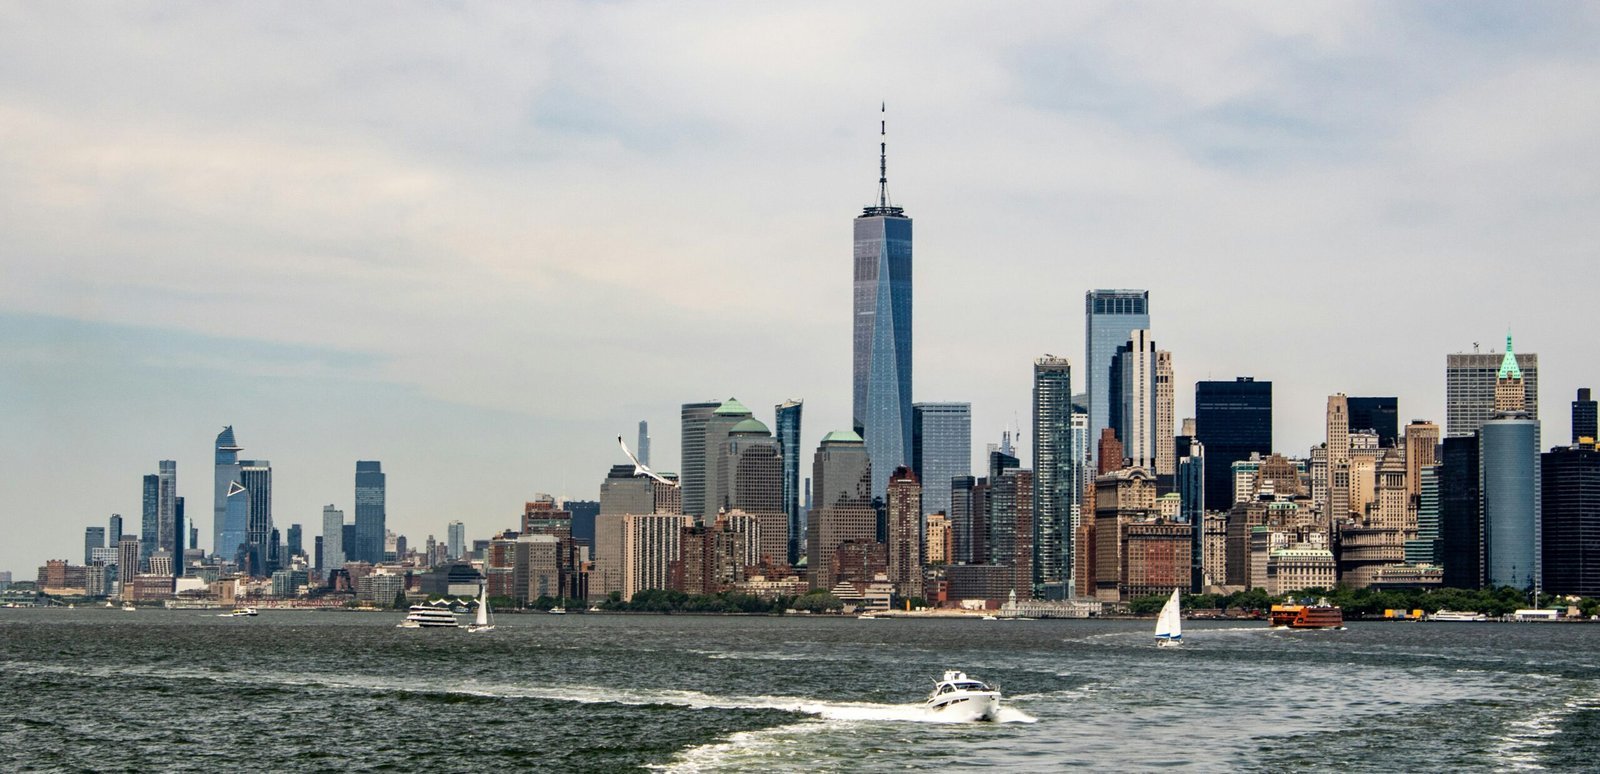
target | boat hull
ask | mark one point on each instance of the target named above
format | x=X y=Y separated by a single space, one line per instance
x=967 y=708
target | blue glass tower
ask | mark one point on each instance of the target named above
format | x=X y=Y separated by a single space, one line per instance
x=1111 y=315
x=788 y=436
x=223 y=477
x=371 y=513
x=1508 y=480
x=881 y=377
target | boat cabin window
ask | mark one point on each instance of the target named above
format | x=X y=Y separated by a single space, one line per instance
x=972 y=686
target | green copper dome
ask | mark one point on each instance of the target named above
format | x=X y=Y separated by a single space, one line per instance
x=732 y=406
x=751 y=425
x=842 y=436
x=1508 y=364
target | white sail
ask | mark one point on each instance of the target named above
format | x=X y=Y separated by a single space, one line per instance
x=483 y=605
x=1169 y=625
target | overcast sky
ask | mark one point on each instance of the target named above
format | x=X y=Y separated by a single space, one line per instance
x=477 y=242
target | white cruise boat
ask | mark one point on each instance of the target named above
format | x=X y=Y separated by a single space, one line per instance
x=1456 y=615
x=429 y=617
x=238 y=612
x=961 y=698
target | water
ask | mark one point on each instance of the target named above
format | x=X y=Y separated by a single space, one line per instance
x=178 y=690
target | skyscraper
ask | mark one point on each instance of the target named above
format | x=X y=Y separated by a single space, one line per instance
x=372 y=515
x=1111 y=317
x=332 y=537
x=1337 y=422
x=1191 y=508
x=128 y=551
x=644 y=442
x=1422 y=450
x=1510 y=501
x=905 y=536
x=225 y=472
x=93 y=537
x=753 y=465
x=150 y=518
x=692 y=465
x=256 y=478
x=457 y=536
x=1378 y=414
x=1571 y=514
x=114 y=530
x=1232 y=419
x=1469 y=388
x=1055 y=477
x=788 y=434
x=941 y=450
x=843 y=503
x=1166 y=442
x=1460 y=517
x=718 y=425
x=1134 y=418
x=1584 y=421
x=169 y=532
x=296 y=546
x=881 y=370
x=233 y=538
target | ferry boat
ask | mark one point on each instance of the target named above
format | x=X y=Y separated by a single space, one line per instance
x=238 y=612
x=1319 y=616
x=1456 y=615
x=429 y=617
x=961 y=698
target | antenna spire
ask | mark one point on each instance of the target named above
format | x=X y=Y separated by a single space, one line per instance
x=883 y=155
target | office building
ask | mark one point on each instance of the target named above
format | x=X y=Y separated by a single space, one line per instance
x=1460 y=518
x=843 y=509
x=964 y=517
x=1056 y=488
x=333 y=538
x=169 y=532
x=1421 y=451
x=1470 y=388
x=692 y=470
x=1583 y=418
x=1510 y=501
x=150 y=517
x=1380 y=415
x=584 y=512
x=295 y=546
x=1232 y=419
x=93 y=538
x=622 y=494
x=128 y=550
x=1426 y=548
x=787 y=429
x=881 y=332
x=751 y=463
x=372 y=515
x=1010 y=521
x=114 y=530
x=721 y=422
x=1133 y=399
x=456 y=536
x=1166 y=443
x=224 y=473
x=643 y=446
x=941 y=450
x=233 y=541
x=904 y=506
x=1192 y=508
x=1570 y=509
x=255 y=476
x=1111 y=317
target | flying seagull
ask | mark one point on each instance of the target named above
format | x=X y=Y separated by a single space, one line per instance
x=639 y=468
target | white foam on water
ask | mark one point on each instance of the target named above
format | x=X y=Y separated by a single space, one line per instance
x=1518 y=747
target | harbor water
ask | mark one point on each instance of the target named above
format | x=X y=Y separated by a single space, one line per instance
x=98 y=689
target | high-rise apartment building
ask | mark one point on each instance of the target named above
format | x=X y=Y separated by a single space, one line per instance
x=1470 y=388
x=1056 y=488
x=904 y=504
x=128 y=550
x=843 y=510
x=787 y=430
x=881 y=335
x=332 y=538
x=169 y=527
x=1111 y=316
x=1584 y=419
x=692 y=465
x=650 y=546
x=1166 y=442
x=1570 y=509
x=224 y=473
x=941 y=450
x=372 y=514
x=1133 y=405
x=623 y=494
x=1232 y=419
x=150 y=517
x=456 y=536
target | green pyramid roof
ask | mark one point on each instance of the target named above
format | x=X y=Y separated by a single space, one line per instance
x=842 y=436
x=751 y=425
x=1508 y=364
x=732 y=406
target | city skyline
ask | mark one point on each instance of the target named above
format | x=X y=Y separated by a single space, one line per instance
x=144 y=310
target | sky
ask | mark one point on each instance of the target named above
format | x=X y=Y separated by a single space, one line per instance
x=478 y=241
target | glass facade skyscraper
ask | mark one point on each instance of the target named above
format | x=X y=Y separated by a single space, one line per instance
x=1378 y=414
x=1232 y=419
x=1570 y=484
x=787 y=423
x=1055 y=477
x=371 y=514
x=1508 y=480
x=1110 y=317
x=941 y=450
x=225 y=473
x=150 y=518
x=881 y=335
x=333 y=537
x=256 y=478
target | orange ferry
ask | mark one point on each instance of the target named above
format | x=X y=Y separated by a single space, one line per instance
x=1318 y=616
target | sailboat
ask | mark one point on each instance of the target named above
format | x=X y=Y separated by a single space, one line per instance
x=1169 y=624
x=482 y=623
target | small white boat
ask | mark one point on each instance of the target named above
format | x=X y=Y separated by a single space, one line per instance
x=1169 y=624
x=482 y=622
x=238 y=612
x=987 y=617
x=1456 y=615
x=429 y=617
x=128 y=607
x=961 y=698
x=558 y=610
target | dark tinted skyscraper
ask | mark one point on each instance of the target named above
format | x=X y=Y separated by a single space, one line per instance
x=941 y=450
x=93 y=537
x=1055 y=479
x=788 y=436
x=1110 y=316
x=114 y=531
x=169 y=528
x=1379 y=414
x=150 y=517
x=1508 y=464
x=1570 y=491
x=371 y=514
x=1583 y=417
x=1460 y=528
x=1232 y=419
x=881 y=371
x=255 y=476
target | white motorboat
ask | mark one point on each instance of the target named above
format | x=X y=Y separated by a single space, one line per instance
x=961 y=698
x=1169 y=624
x=429 y=617
x=1456 y=615
x=128 y=607
x=558 y=610
x=482 y=623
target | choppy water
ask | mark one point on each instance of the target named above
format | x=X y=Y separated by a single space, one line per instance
x=168 y=690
